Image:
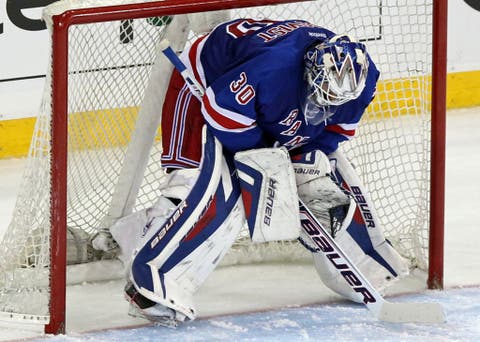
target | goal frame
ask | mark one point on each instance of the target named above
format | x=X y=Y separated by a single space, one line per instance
x=59 y=128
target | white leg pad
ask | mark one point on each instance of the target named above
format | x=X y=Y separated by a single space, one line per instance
x=377 y=275
x=360 y=235
x=179 y=252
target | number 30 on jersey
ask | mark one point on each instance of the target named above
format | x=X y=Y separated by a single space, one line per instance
x=243 y=91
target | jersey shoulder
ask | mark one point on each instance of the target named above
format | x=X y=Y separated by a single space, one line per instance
x=241 y=39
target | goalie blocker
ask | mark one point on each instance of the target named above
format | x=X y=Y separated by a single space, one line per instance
x=269 y=194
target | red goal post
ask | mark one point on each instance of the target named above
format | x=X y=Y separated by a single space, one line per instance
x=432 y=90
x=438 y=136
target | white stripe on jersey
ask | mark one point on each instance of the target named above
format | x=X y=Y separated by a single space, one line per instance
x=348 y=127
x=216 y=114
x=196 y=65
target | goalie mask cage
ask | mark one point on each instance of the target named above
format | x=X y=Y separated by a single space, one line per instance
x=86 y=154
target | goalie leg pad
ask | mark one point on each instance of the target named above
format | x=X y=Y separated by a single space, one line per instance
x=183 y=250
x=269 y=194
x=361 y=236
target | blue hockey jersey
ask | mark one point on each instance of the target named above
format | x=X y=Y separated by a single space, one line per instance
x=253 y=73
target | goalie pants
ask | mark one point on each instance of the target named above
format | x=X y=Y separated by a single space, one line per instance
x=182 y=123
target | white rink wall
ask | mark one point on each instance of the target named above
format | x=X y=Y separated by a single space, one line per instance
x=24 y=46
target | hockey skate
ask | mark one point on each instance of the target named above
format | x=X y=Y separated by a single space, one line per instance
x=142 y=307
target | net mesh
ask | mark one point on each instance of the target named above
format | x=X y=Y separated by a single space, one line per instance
x=110 y=64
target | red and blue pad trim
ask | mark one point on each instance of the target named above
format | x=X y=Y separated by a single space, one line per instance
x=251 y=186
x=358 y=228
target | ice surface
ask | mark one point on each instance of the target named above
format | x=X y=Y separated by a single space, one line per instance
x=334 y=322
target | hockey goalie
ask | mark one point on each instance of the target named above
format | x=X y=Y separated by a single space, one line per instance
x=279 y=98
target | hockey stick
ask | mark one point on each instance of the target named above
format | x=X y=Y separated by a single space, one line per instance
x=365 y=292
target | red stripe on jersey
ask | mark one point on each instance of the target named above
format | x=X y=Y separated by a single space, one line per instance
x=349 y=133
x=221 y=119
x=179 y=125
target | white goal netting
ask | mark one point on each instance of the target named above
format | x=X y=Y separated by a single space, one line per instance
x=109 y=69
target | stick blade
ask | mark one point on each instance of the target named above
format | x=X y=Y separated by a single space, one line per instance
x=412 y=313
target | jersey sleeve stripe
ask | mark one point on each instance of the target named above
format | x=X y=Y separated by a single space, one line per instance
x=193 y=60
x=347 y=130
x=224 y=119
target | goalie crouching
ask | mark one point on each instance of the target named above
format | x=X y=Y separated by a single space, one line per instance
x=280 y=96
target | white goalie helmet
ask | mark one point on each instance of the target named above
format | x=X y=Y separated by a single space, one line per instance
x=336 y=71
